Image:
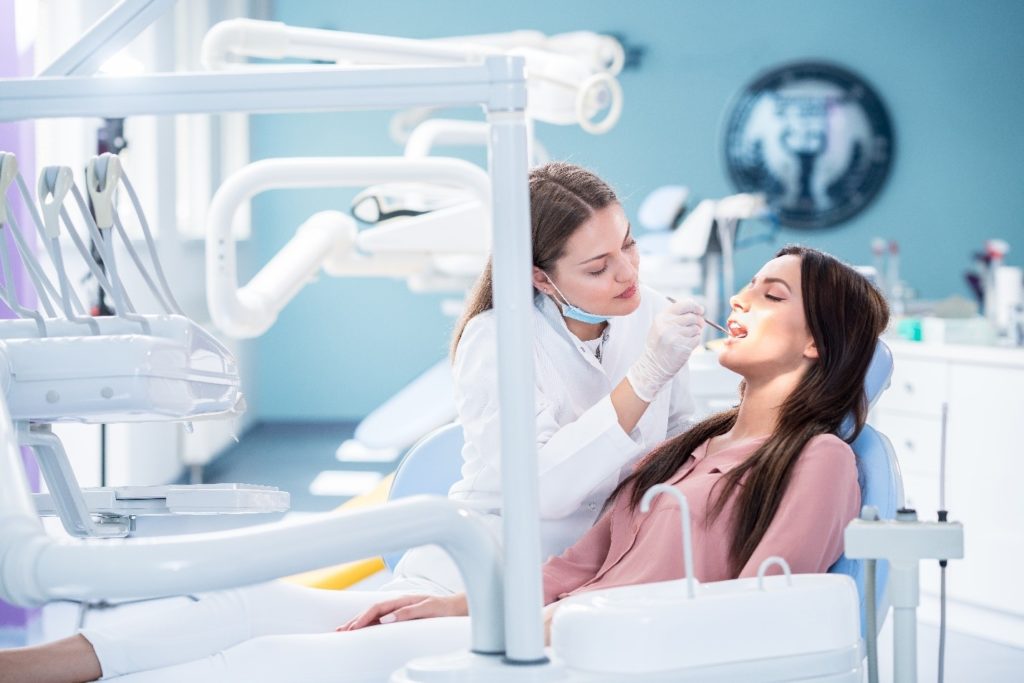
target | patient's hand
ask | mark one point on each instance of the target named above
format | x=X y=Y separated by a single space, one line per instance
x=407 y=608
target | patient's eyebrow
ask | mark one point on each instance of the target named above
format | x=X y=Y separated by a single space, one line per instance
x=769 y=280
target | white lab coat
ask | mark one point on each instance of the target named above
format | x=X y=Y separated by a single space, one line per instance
x=582 y=452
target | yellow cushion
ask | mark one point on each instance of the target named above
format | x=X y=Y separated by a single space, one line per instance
x=344 y=575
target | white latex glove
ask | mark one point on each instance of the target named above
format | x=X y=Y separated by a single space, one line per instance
x=674 y=335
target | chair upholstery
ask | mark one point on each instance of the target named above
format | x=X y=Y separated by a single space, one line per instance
x=431 y=466
x=881 y=485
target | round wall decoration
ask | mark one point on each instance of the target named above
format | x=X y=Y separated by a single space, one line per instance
x=815 y=138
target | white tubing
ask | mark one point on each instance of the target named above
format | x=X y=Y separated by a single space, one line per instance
x=434 y=132
x=246 y=317
x=37 y=569
x=324 y=236
x=684 y=515
x=563 y=79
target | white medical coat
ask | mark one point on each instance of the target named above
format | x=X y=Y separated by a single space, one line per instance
x=582 y=451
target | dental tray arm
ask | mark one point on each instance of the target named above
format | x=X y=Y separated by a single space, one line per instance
x=326 y=238
x=35 y=568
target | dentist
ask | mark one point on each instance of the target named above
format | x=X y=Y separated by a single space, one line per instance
x=609 y=366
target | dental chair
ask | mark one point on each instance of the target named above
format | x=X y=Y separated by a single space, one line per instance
x=433 y=464
x=881 y=486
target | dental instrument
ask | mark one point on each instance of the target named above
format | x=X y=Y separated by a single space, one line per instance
x=713 y=324
x=177 y=371
x=717 y=327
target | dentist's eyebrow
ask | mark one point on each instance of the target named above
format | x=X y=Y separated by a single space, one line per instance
x=629 y=231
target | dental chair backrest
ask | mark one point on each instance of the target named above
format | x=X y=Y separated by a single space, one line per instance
x=431 y=466
x=881 y=485
x=434 y=463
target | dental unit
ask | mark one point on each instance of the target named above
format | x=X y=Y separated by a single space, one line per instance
x=679 y=630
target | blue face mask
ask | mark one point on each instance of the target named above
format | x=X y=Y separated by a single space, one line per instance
x=575 y=312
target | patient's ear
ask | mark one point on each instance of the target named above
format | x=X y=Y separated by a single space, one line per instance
x=811 y=350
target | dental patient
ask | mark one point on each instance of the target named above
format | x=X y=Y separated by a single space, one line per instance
x=769 y=477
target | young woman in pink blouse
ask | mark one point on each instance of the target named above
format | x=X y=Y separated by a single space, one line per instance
x=769 y=477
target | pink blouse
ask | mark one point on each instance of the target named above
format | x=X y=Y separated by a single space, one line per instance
x=626 y=547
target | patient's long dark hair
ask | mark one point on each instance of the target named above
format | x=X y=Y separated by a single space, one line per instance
x=845 y=315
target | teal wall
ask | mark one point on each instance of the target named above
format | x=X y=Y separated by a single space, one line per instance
x=950 y=73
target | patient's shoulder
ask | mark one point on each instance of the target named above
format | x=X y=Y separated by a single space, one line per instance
x=828 y=450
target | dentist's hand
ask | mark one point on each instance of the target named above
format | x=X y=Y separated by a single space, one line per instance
x=407 y=608
x=674 y=335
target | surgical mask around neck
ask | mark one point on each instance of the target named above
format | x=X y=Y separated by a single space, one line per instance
x=575 y=312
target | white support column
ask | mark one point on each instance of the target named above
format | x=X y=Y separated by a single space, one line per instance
x=513 y=303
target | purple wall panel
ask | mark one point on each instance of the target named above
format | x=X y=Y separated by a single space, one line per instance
x=17 y=138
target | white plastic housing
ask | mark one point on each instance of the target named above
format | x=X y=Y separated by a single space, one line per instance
x=177 y=372
x=656 y=628
x=904 y=542
x=178 y=509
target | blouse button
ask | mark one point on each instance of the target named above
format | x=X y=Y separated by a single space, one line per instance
x=591 y=506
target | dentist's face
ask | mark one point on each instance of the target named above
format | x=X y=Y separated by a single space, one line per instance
x=768 y=329
x=598 y=271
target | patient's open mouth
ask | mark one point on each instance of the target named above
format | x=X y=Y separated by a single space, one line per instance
x=736 y=330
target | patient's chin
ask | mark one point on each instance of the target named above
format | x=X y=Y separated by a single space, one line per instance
x=731 y=357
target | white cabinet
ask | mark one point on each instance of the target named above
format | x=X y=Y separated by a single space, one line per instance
x=984 y=390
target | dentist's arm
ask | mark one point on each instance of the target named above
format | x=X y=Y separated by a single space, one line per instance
x=574 y=458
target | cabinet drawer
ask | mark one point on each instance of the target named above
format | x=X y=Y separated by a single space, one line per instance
x=918 y=386
x=916 y=440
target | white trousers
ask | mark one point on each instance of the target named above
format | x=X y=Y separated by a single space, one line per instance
x=267 y=632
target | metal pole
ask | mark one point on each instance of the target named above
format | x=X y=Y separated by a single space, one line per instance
x=905 y=596
x=513 y=304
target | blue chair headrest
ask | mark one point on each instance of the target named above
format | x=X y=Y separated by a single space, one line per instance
x=875 y=382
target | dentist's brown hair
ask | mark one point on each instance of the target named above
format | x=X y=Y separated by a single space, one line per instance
x=562 y=198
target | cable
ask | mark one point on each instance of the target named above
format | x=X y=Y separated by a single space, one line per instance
x=90 y=262
x=67 y=295
x=10 y=297
x=47 y=243
x=140 y=267
x=144 y=224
